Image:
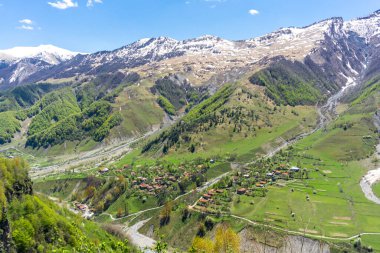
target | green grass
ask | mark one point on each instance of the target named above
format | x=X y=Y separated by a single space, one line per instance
x=334 y=158
x=134 y=204
x=139 y=111
x=376 y=189
x=218 y=170
x=177 y=233
x=61 y=189
x=272 y=125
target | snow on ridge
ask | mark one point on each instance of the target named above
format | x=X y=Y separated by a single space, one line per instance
x=366 y=28
x=49 y=53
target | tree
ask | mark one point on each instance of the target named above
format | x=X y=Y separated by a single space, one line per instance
x=192 y=148
x=126 y=210
x=165 y=214
x=201 y=230
x=202 y=245
x=119 y=212
x=226 y=240
x=160 y=246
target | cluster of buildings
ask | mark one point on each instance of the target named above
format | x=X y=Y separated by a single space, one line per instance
x=87 y=213
x=208 y=197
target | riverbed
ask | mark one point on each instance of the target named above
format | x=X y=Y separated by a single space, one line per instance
x=372 y=177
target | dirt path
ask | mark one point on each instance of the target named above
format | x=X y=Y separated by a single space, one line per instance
x=144 y=242
x=301 y=233
x=103 y=154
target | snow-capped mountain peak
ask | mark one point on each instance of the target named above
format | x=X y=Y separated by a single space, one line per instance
x=366 y=27
x=48 y=53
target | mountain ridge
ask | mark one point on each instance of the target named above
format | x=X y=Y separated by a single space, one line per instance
x=293 y=43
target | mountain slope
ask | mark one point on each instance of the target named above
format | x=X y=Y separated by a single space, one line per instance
x=18 y=63
x=221 y=58
x=29 y=223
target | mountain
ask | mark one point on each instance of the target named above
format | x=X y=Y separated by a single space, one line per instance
x=315 y=61
x=221 y=58
x=18 y=63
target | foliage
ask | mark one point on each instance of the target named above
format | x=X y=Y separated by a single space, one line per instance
x=201 y=113
x=24 y=96
x=178 y=91
x=289 y=84
x=166 y=105
x=9 y=125
x=165 y=214
x=30 y=224
x=59 y=118
x=226 y=241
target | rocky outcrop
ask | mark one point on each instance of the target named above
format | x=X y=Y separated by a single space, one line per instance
x=278 y=244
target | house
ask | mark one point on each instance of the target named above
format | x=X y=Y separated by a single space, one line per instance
x=285 y=175
x=142 y=179
x=158 y=179
x=172 y=178
x=104 y=170
x=295 y=169
x=246 y=176
x=241 y=191
x=144 y=186
x=212 y=161
x=206 y=196
x=81 y=207
x=157 y=187
x=263 y=182
x=259 y=185
x=219 y=191
x=270 y=174
x=203 y=201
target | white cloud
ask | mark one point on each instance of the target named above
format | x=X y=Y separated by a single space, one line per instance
x=64 y=4
x=26 y=27
x=90 y=3
x=26 y=21
x=26 y=24
x=253 y=12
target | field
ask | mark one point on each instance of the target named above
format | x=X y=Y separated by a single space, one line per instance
x=327 y=204
x=376 y=189
x=272 y=127
x=330 y=202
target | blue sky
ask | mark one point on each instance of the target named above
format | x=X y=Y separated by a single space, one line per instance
x=93 y=25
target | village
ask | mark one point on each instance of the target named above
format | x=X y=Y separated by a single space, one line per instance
x=165 y=181
x=249 y=181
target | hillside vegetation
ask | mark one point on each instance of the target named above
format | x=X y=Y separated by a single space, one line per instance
x=64 y=113
x=238 y=119
x=31 y=224
x=293 y=83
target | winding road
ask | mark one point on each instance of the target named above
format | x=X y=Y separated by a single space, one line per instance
x=94 y=156
x=326 y=114
x=144 y=242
